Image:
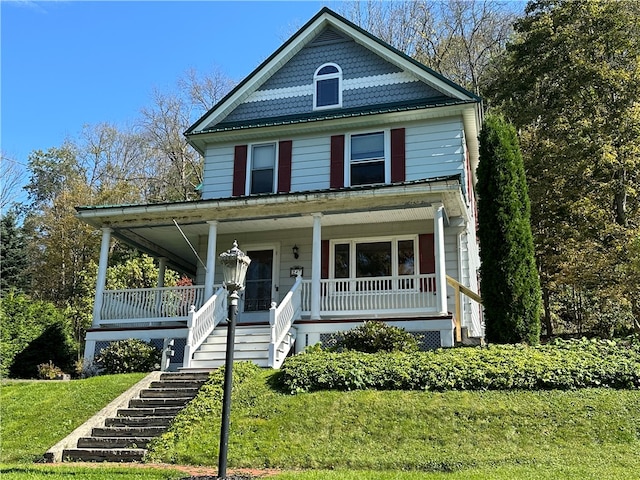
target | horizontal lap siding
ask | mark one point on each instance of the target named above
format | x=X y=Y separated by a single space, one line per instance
x=434 y=149
x=310 y=165
x=218 y=172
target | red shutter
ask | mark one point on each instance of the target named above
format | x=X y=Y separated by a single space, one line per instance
x=426 y=246
x=397 y=155
x=337 y=162
x=239 y=170
x=284 y=166
x=324 y=259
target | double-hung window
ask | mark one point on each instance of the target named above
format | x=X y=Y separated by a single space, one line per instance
x=327 y=83
x=263 y=162
x=367 y=155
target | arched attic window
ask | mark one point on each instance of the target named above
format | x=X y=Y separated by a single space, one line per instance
x=327 y=83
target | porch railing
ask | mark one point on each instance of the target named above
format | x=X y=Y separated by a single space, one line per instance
x=150 y=303
x=400 y=294
x=281 y=319
x=458 y=291
x=203 y=321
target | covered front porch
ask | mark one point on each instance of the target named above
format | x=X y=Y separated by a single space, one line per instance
x=325 y=280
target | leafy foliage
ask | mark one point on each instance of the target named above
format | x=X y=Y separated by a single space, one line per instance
x=33 y=332
x=129 y=356
x=569 y=82
x=510 y=284
x=13 y=255
x=372 y=337
x=561 y=365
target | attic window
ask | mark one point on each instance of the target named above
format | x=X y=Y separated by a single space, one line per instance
x=327 y=92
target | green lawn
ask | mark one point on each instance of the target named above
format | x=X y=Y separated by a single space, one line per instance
x=364 y=435
x=37 y=415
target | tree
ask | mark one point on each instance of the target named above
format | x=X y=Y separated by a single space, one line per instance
x=457 y=38
x=510 y=284
x=11 y=178
x=569 y=83
x=13 y=256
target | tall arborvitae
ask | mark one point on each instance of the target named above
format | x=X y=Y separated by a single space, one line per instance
x=510 y=284
x=13 y=256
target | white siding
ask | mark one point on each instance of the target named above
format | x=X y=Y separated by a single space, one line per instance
x=218 y=172
x=434 y=149
x=310 y=164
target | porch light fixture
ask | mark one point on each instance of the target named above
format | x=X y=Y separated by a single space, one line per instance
x=296 y=253
x=234 y=269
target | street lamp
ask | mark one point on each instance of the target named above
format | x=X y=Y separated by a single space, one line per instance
x=234 y=269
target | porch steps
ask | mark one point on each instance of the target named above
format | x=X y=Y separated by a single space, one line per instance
x=251 y=345
x=124 y=438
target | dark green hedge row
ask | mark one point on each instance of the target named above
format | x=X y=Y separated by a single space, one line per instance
x=561 y=365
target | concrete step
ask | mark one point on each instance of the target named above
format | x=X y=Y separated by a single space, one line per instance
x=152 y=431
x=114 y=442
x=238 y=355
x=239 y=347
x=166 y=384
x=104 y=455
x=149 y=412
x=213 y=364
x=191 y=376
x=169 y=392
x=140 y=421
x=159 y=402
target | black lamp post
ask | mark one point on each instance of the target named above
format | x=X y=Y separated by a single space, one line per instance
x=234 y=268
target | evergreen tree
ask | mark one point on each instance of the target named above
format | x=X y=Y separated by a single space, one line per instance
x=13 y=256
x=510 y=283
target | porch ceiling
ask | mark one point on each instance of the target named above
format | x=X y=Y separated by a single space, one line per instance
x=152 y=228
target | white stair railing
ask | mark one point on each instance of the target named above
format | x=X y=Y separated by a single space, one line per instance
x=281 y=319
x=202 y=322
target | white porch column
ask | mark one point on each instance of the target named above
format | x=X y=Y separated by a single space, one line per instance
x=316 y=266
x=211 y=259
x=162 y=268
x=102 y=275
x=441 y=280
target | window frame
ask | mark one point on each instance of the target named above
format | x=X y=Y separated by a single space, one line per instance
x=317 y=78
x=395 y=264
x=386 y=157
x=249 y=176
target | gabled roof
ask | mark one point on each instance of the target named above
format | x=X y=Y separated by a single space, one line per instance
x=451 y=92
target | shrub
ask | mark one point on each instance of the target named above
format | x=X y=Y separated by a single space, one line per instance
x=129 y=356
x=48 y=371
x=372 y=337
x=561 y=365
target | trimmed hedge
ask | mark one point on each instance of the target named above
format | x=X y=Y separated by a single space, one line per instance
x=561 y=365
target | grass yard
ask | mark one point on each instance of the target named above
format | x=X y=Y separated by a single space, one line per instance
x=37 y=415
x=590 y=433
x=363 y=435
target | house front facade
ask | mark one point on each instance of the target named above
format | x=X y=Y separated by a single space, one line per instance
x=345 y=170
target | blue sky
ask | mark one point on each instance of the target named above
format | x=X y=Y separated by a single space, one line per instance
x=67 y=63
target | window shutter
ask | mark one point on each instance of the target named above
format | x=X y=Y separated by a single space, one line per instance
x=426 y=244
x=397 y=155
x=284 y=166
x=324 y=259
x=239 y=170
x=337 y=162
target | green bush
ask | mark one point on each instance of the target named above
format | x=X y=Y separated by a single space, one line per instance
x=129 y=356
x=372 y=337
x=561 y=365
x=33 y=332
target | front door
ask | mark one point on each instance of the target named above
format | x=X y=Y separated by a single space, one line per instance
x=258 y=292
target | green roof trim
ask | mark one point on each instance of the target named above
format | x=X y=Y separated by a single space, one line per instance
x=335 y=114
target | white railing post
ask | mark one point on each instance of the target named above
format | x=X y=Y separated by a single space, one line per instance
x=188 y=348
x=211 y=259
x=272 y=340
x=316 y=266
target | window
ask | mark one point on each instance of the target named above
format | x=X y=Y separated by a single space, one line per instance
x=379 y=258
x=367 y=159
x=327 y=91
x=263 y=161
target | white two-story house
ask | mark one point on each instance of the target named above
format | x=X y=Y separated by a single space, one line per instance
x=345 y=170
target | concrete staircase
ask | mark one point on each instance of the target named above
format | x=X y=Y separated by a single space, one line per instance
x=124 y=438
x=251 y=345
